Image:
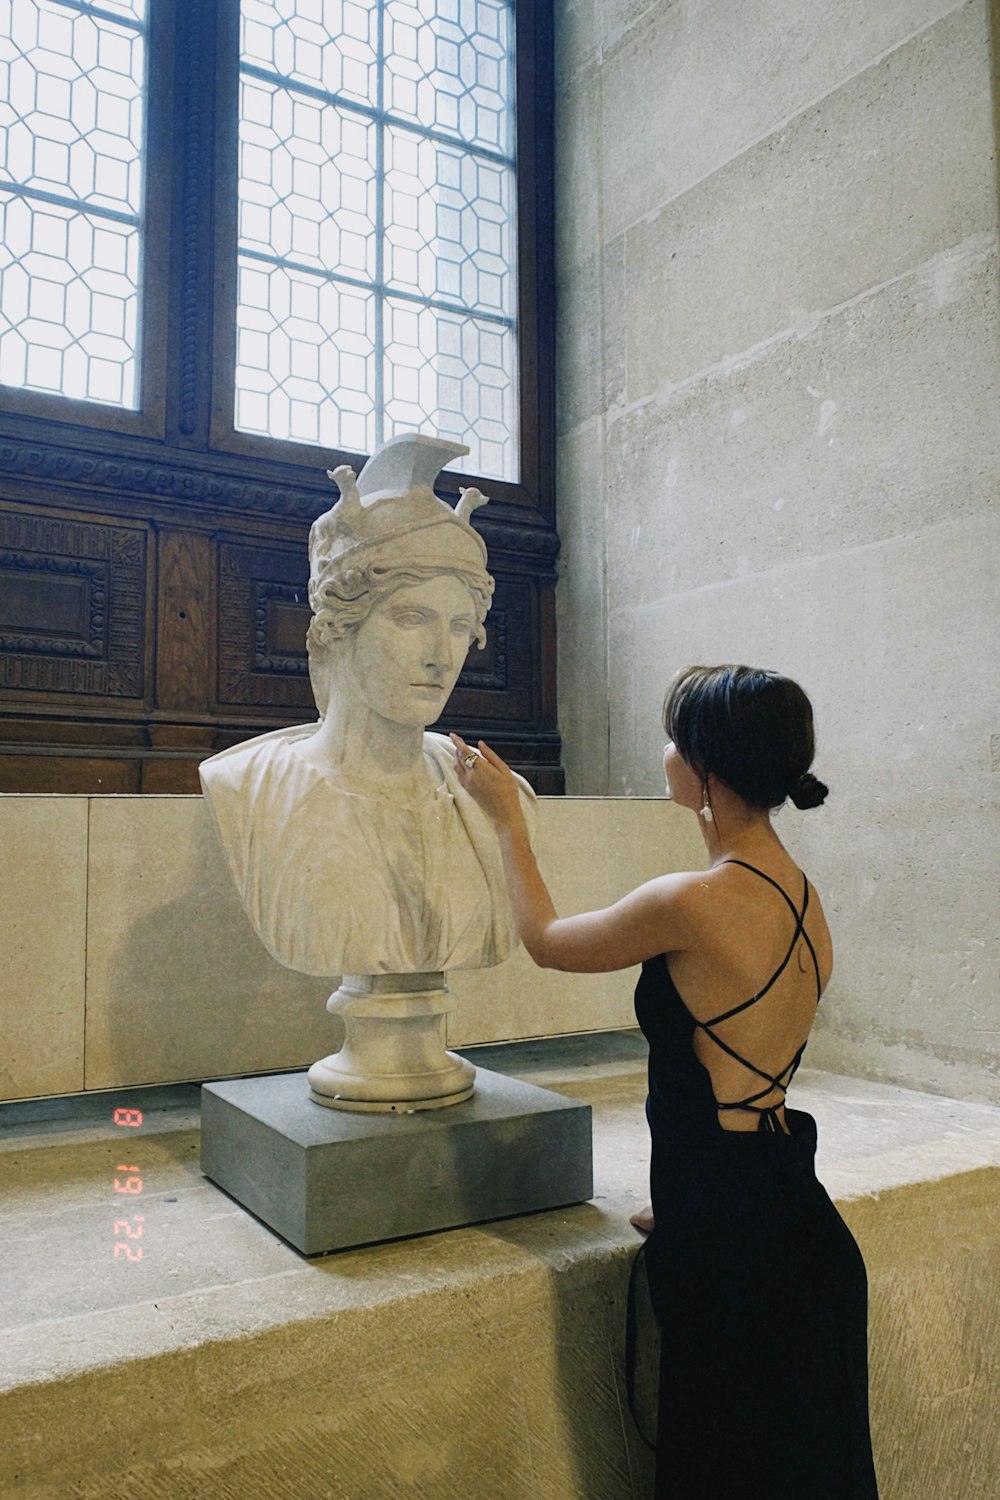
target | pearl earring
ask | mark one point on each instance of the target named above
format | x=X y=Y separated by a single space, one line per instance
x=705 y=811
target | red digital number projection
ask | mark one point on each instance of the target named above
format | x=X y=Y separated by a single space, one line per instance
x=129 y=1184
x=132 y=1230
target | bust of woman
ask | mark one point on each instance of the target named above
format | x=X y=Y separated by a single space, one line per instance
x=353 y=846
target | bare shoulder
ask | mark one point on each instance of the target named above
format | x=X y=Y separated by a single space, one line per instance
x=680 y=896
x=729 y=906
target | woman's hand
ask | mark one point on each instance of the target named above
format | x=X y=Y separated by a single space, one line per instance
x=638 y=926
x=489 y=781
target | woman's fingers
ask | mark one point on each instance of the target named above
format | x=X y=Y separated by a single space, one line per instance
x=461 y=751
x=491 y=755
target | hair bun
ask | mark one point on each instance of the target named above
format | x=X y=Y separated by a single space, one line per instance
x=808 y=791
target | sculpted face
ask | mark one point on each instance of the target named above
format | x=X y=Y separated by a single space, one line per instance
x=405 y=657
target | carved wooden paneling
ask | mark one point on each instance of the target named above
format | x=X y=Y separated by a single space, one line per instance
x=185 y=627
x=496 y=683
x=72 y=607
x=263 y=613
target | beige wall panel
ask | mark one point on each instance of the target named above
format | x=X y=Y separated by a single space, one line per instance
x=877 y=178
x=43 y=906
x=178 y=984
x=685 y=90
x=591 y=852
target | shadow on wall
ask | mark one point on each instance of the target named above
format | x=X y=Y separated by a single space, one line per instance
x=190 y=992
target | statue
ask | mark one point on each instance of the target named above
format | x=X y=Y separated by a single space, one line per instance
x=354 y=848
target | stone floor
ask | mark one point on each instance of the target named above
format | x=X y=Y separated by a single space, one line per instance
x=82 y=1316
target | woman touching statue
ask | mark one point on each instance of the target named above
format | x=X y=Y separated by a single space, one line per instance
x=353 y=844
x=758 y=1286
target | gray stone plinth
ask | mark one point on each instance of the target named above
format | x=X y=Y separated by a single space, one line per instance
x=326 y=1179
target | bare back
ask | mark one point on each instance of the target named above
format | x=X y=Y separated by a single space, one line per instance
x=761 y=958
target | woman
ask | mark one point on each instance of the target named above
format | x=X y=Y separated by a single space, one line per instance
x=758 y=1286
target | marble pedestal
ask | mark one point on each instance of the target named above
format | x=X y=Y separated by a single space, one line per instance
x=325 y=1180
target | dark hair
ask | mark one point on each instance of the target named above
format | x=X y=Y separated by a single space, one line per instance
x=751 y=728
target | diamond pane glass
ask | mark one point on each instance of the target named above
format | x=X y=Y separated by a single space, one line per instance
x=71 y=104
x=449 y=225
x=326 y=44
x=448 y=68
x=304 y=358
x=454 y=375
x=376 y=168
x=307 y=181
x=71 y=129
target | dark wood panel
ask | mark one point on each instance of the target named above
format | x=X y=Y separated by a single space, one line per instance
x=263 y=613
x=45 y=607
x=184 y=625
x=54 y=733
x=171 y=776
x=74 y=607
x=67 y=774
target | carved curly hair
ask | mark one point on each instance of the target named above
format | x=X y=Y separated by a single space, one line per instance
x=343 y=600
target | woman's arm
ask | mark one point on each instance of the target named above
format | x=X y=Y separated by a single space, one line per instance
x=650 y=920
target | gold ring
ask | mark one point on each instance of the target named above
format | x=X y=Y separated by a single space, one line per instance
x=470 y=760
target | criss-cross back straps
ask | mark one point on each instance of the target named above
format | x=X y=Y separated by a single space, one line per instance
x=782 y=1079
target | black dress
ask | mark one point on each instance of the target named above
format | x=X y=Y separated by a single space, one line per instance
x=757 y=1283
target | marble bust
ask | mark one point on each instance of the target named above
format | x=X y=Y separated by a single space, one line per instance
x=352 y=844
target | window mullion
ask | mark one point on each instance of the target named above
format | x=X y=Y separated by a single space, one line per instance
x=379 y=293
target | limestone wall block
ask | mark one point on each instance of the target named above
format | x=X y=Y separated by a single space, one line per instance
x=880 y=421
x=884 y=173
x=688 y=87
x=581 y=624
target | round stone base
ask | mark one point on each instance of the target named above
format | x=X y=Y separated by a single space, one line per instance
x=386 y=1106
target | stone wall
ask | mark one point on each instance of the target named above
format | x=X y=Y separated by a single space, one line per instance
x=779 y=378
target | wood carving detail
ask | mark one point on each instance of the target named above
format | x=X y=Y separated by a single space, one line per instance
x=81 y=593
x=249 y=675
x=492 y=675
x=26 y=569
x=264 y=659
x=535 y=546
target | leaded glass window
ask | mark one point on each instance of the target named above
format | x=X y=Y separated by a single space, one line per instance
x=71 y=183
x=377 y=285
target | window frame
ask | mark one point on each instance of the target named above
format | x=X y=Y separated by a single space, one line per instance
x=189 y=263
x=224 y=436
x=148 y=419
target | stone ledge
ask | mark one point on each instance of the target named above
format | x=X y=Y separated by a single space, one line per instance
x=479 y=1361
